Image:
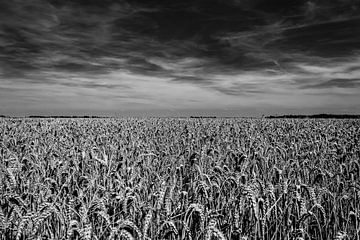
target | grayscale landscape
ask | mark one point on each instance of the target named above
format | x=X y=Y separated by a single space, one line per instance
x=179 y=120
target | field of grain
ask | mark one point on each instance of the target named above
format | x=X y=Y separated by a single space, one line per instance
x=179 y=179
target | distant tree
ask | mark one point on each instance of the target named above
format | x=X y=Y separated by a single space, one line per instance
x=323 y=115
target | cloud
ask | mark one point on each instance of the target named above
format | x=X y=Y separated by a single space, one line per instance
x=237 y=35
x=37 y=35
x=337 y=82
x=177 y=54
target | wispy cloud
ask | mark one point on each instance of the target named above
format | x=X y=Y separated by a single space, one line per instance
x=337 y=82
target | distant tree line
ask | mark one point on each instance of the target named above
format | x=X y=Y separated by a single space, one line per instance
x=337 y=116
x=41 y=116
x=34 y=116
x=202 y=116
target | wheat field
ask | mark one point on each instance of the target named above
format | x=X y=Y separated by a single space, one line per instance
x=169 y=178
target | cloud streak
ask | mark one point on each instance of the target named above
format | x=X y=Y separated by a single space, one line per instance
x=337 y=82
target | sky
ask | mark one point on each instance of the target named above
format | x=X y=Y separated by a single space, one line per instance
x=179 y=58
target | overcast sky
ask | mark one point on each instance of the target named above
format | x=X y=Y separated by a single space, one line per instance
x=173 y=58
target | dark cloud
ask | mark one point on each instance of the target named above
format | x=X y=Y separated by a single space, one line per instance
x=337 y=82
x=328 y=39
x=236 y=34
